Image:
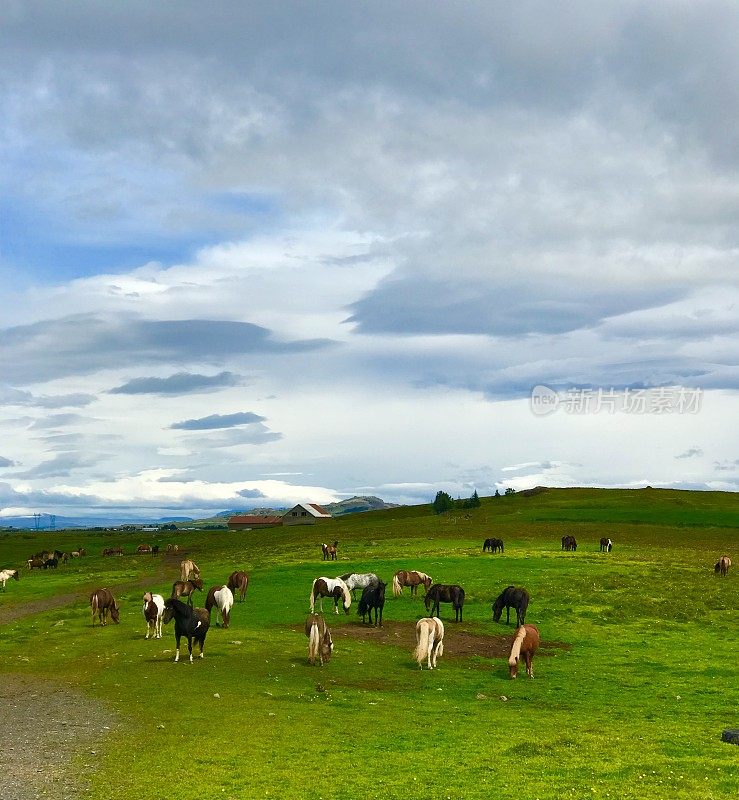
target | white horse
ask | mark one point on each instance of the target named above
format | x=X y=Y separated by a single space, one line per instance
x=153 y=610
x=359 y=580
x=429 y=641
x=222 y=598
x=330 y=587
x=7 y=574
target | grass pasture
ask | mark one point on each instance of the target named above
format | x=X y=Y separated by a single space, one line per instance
x=638 y=677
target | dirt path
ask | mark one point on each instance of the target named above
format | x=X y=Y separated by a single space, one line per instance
x=46 y=725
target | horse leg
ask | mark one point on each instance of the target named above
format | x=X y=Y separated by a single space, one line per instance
x=529 y=664
x=178 y=636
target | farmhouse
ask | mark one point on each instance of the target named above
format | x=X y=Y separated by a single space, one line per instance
x=246 y=522
x=305 y=514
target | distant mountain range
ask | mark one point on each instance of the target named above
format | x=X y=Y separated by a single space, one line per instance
x=354 y=505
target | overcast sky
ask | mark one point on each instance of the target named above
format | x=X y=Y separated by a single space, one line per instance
x=258 y=253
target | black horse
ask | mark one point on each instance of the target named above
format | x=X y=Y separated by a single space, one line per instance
x=511 y=597
x=445 y=593
x=493 y=545
x=373 y=597
x=192 y=623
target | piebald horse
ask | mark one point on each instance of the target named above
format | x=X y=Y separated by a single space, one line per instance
x=330 y=587
x=429 y=641
x=7 y=574
x=722 y=566
x=412 y=578
x=153 y=610
x=606 y=545
x=101 y=602
x=320 y=644
x=188 y=568
x=222 y=598
x=525 y=643
x=238 y=582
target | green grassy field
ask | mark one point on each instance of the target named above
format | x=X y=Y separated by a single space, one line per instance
x=638 y=676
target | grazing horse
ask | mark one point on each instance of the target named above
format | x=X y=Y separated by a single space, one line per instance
x=7 y=574
x=153 y=610
x=359 y=580
x=186 y=589
x=493 y=545
x=525 y=643
x=187 y=568
x=35 y=563
x=173 y=548
x=329 y=551
x=155 y=550
x=373 y=597
x=221 y=597
x=320 y=644
x=238 y=580
x=509 y=598
x=412 y=578
x=192 y=623
x=143 y=548
x=101 y=602
x=51 y=563
x=445 y=593
x=330 y=587
x=429 y=641
x=82 y=551
x=605 y=545
x=722 y=566
x=569 y=543
x=113 y=551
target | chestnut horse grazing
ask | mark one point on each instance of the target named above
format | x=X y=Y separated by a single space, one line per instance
x=605 y=545
x=722 y=566
x=445 y=593
x=192 y=623
x=153 y=611
x=222 y=598
x=412 y=578
x=330 y=587
x=238 y=582
x=320 y=644
x=525 y=643
x=329 y=551
x=429 y=641
x=186 y=588
x=188 y=568
x=101 y=602
x=6 y=575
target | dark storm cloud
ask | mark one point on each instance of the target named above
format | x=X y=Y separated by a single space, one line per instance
x=178 y=384
x=86 y=343
x=216 y=421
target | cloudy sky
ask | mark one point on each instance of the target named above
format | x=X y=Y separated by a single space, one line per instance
x=258 y=253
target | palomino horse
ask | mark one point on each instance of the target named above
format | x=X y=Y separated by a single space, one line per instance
x=188 y=568
x=320 y=644
x=429 y=641
x=525 y=643
x=569 y=543
x=222 y=598
x=511 y=597
x=373 y=597
x=192 y=623
x=412 y=578
x=722 y=566
x=445 y=593
x=153 y=611
x=186 y=589
x=359 y=580
x=329 y=551
x=330 y=587
x=6 y=575
x=605 y=545
x=493 y=545
x=238 y=581
x=101 y=602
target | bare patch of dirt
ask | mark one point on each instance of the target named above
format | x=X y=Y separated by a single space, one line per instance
x=46 y=725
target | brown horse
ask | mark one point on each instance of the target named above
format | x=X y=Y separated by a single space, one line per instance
x=412 y=578
x=186 y=588
x=143 y=548
x=173 y=548
x=569 y=543
x=525 y=643
x=320 y=644
x=238 y=581
x=722 y=566
x=113 y=551
x=101 y=602
x=329 y=551
x=188 y=568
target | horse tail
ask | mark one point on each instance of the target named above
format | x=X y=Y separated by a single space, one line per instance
x=94 y=605
x=312 y=598
x=422 y=642
x=314 y=642
x=397 y=588
x=516 y=648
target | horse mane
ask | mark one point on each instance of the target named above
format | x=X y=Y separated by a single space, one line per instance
x=346 y=592
x=516 y=648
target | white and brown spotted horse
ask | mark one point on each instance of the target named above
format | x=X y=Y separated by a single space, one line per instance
x=153 y=611
x=329 y=551
x=330 y=587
